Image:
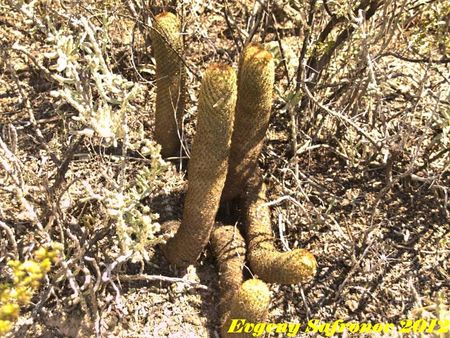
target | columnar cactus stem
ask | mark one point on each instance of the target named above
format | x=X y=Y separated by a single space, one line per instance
x=170 y=81
x=265 y=261
x=255 y=90
x=208 y=165
x=228 y=248
x=251 y=303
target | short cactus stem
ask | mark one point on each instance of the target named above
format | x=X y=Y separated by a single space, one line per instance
x=228 y=248
x=251 y=303
x=170 y=75
x=255 y=91
x=265 y=260
x=208 y=164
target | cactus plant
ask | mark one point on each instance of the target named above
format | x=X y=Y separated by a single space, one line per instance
x=208 y=165
x=249 y=300
x=256 y=77
x=228 y=247
x=265 y=261
x=170 y=81
x=251 y=303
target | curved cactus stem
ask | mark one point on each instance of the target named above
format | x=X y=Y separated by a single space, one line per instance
x=208 y=165
x=265 y=260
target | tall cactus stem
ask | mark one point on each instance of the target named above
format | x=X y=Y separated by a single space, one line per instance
x=208 y=164
x=167 y=45
x=256 y=77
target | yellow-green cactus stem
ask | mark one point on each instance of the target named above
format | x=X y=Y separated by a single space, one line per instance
x=251 y=303
x=256 y=77
x=265 y=260
x=170 y=75
x=208 y=164
x=228 y=248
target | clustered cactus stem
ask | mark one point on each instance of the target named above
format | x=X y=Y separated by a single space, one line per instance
x=265 y=260
x=170 y=81
x=223 y=165
x=207 y=166
x=256 y=78
x=238 y=300
x=251 y=303
x=228 y=248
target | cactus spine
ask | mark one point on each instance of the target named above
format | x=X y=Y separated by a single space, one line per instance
x=208 y=164
x=255 y=90
x=265 y=261
x=170 y=81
